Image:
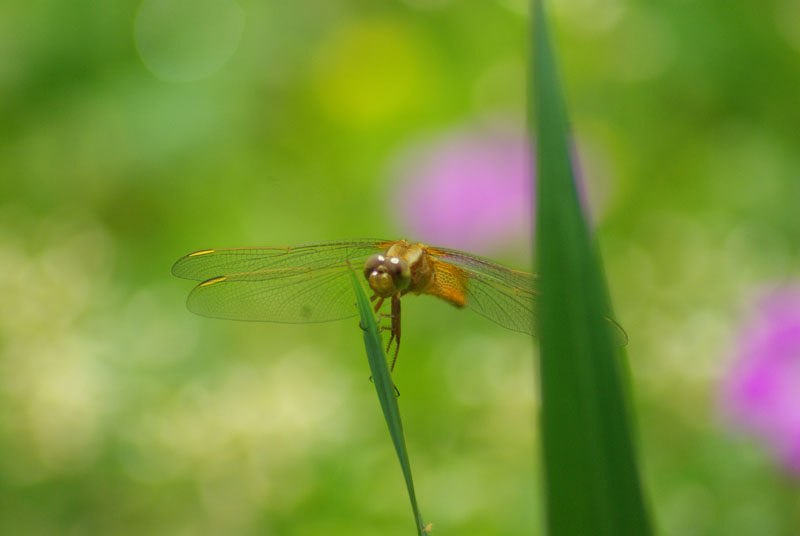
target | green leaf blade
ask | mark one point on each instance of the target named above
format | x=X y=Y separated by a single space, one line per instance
x=385 y=389
x=592 y=483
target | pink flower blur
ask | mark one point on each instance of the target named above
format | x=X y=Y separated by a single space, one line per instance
x=761 y=392
x=469 y=191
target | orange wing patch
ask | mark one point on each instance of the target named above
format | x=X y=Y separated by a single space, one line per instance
x=449 y=282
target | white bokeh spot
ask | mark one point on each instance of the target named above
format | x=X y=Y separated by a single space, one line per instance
x=187 y=40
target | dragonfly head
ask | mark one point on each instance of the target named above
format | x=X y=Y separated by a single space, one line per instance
x=387 y=275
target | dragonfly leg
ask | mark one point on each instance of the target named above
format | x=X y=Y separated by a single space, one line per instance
x=381 y=318
x=395 y=330
x=389 y=346
x=378 y=305
x=396 y=390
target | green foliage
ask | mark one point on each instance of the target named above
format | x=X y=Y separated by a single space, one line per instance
x=591 y=479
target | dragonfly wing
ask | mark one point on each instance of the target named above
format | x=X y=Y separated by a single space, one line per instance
x=510 y=306
x=473 y=263
x=291 y=295
x=276 y=284
x=503 y=295
x=618 y=335
x=209 y=263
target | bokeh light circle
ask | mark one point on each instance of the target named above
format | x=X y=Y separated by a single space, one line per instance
x=183 y=40
x=370 y=72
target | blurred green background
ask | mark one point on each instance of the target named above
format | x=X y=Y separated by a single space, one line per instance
x=132 y=133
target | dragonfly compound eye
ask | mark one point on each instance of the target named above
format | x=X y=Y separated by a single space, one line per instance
x=372 y=263
x=387 y=275
x=398 y=269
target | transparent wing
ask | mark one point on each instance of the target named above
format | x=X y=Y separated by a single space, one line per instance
x=503 y=295
x=292 y=295
x=290 y=284
x=509 y=305
x=209 y=263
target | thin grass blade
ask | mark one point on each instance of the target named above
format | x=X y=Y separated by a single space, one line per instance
x=385 y=388
x=592 y=483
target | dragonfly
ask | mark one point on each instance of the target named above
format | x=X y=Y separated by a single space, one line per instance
x=310 y=283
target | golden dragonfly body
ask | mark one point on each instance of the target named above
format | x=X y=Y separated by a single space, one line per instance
x=310 y=283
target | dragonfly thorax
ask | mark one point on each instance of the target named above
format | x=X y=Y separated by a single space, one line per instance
x=387 y=275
